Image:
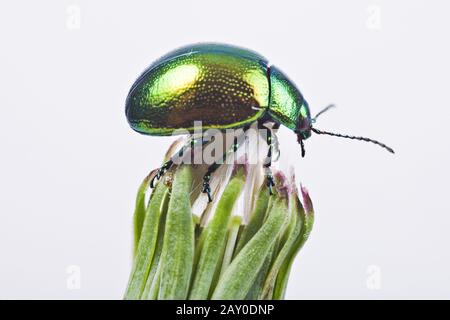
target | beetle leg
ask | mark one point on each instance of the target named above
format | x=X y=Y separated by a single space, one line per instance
x=268 y=161
x=206 y=186
x=168 y=164
x=216 y=165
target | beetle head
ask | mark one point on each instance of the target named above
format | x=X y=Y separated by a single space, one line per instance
x=304 y=125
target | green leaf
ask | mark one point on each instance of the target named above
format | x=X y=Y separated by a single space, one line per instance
x=257 y=286
x=233 y=232
x=256 y=218
x=147 y=243
x=214 y=238
x=154 y=276
x=227 y=252
x=139 y=212
x=306 y=217
x=238 y=278
x=177 y=254
x=292 y=233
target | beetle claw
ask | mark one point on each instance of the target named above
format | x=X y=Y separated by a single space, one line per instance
x=208 y=193
x=152 y=184
x=207 y=187
x=157 y=176
x=270 y=183
x=207 y=190
x=161 y=171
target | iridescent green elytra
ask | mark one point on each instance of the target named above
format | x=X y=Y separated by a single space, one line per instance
x=223 y=86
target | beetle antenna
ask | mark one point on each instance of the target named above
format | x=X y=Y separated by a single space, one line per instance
x=323 y=111
x=317 y=131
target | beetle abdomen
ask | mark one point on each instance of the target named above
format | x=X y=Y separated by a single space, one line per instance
x=222 y=86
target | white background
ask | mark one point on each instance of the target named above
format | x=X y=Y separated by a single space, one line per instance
x=70 y=165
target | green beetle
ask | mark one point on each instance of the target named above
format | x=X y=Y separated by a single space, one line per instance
x=223 y=86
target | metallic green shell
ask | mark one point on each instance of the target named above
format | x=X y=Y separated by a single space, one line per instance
x=223 y=86
x=287 y=105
